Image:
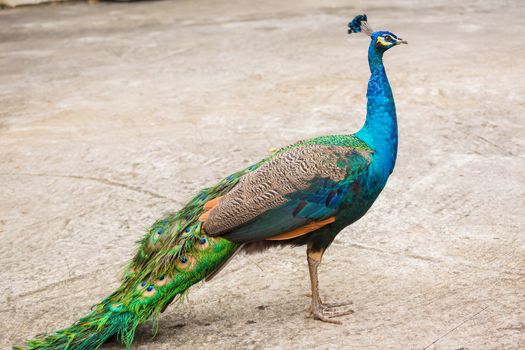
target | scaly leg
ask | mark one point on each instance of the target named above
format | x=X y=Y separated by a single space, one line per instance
x=319 y=310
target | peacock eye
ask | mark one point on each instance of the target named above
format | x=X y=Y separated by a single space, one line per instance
x=388 y=38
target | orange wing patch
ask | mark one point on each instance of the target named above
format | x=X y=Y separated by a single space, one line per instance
x=302 y=230
x=204 y=216
x=212 y=203
x=208 y=206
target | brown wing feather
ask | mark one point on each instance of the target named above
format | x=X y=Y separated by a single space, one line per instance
x=266 y=187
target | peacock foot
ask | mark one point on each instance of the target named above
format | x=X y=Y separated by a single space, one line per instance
x=327 y=311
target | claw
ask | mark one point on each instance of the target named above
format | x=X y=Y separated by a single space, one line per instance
x=325 y=312
x=318 y=315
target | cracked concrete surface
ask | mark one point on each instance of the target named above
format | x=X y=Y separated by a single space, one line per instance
x=115 y=113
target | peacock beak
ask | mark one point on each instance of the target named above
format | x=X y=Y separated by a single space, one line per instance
x=401 y=41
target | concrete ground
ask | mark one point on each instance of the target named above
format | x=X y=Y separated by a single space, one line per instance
x=112 y=114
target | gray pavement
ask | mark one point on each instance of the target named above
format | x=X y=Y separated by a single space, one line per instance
x=112 y=114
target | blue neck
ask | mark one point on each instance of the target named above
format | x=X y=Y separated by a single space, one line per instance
x=380 y=129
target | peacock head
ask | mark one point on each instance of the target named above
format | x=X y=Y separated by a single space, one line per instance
x=381 y=40
x=385 y=40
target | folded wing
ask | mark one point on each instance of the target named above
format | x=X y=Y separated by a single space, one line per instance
x=295 y=189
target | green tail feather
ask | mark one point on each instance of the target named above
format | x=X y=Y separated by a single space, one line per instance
x=137 y=301
x=172 y=256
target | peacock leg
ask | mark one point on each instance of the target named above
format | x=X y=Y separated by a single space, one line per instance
x=319 y=310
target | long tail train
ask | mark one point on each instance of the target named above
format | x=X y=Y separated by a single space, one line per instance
x=137 y=300
x=174 y=255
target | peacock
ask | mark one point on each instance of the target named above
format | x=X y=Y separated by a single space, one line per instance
x=301 y=195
